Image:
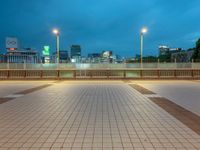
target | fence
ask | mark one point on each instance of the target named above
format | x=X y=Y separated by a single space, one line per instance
x=104 y=71
x=17 y=66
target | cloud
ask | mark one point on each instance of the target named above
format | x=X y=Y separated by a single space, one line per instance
x=105 y=24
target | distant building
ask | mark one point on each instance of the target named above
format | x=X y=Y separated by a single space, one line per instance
x=3 y=58
x=117 y=59
x=94 y=57
x=107 y=56
x=163 y=50
x=64 y=56
x=175 y=50
x=22 y=56
x=75 y=53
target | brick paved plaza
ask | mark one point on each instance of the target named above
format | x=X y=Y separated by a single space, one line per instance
x=92 y=115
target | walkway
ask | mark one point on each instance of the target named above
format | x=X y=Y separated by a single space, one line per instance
x=88 y=115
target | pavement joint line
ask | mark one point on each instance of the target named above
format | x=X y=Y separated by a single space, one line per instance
x=22 y=93
x=141 y=89
x=33 y=89
x=4 y=99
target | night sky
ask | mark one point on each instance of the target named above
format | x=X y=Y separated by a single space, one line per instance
x=101 y=25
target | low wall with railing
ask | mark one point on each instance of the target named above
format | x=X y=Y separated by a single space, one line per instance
x=100 y=66
x=101 y=71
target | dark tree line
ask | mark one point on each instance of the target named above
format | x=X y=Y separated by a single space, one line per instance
x=196 y=55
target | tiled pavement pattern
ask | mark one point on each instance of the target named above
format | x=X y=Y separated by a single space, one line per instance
x=188 y=118
x=91 y=116
x=32 y=89
x=11 y=87
x=182 y=92
x=22 y=93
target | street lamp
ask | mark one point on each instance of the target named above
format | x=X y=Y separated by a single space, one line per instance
x=143 y=31
x=57 y=33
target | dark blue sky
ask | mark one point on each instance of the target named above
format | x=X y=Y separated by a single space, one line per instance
x=101 y=25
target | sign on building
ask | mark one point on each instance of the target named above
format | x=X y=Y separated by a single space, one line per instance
x=46 y=54
x=11 y=43
x=46 y=51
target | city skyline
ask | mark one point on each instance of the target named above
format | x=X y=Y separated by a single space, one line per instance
x=106 y=25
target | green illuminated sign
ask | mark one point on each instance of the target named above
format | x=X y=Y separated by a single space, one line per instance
x=46 y=51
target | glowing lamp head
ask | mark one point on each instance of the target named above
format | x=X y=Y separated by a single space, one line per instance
x=55 y=31
x=144 y=30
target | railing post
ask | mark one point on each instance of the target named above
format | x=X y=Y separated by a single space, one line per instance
x=192 y=73
x=175 y=73
x=8 y=64
x=158 y=73
x=41 y=74
x=141 y=73
x=41 y=66
x=107 y=72
x=74 y=74
x=24 y=73
x=124 y=74
x=158 y=65
x=175 y=63
x=8 y=74
x=90 y=72
x=192 y=63
x=58 y=74
x=85 y=71
x=24 y=64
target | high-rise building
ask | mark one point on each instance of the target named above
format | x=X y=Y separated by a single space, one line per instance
x=75 y=51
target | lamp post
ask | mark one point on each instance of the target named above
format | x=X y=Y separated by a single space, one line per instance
x=57 y=33
x=143 y=31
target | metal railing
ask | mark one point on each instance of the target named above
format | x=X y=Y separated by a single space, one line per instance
x=106 y=71
x=26 y=66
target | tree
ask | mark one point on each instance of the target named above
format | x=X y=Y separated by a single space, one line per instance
x=150 y=59
x=196 y=55
x=165 y=58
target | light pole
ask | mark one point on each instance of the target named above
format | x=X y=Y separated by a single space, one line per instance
x=143 y=31
x=57 y=33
